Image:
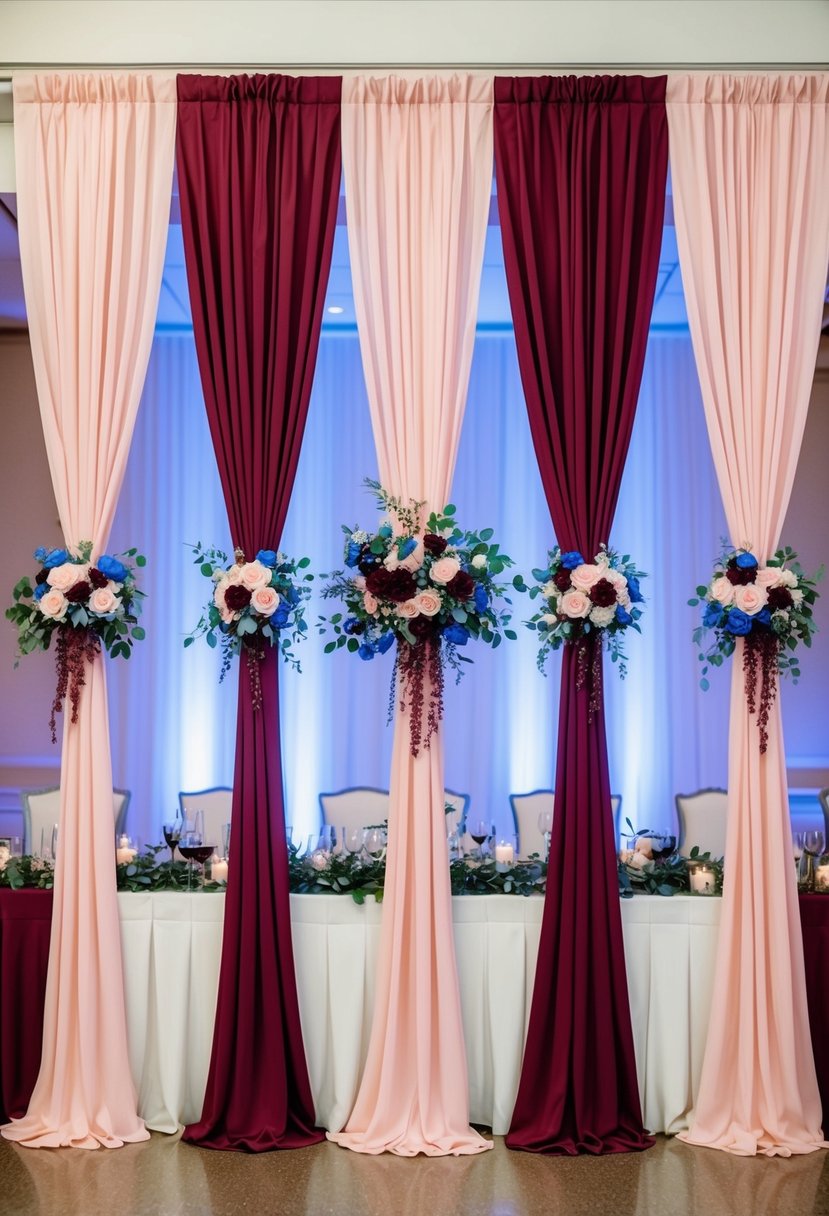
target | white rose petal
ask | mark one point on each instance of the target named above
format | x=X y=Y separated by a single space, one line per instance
x=601 y=617
x=479 y=561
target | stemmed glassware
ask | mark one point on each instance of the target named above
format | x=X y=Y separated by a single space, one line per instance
x=172 y=832
x=374 y=842
x=481 y=830
x=192 y=847
x=545 y=827
x=352 y=839
x=812 y=847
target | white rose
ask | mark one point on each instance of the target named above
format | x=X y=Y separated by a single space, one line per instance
x=549 y=618
x=102 y=601
x=722 y=591
x=254 y=574
x=53 y=604
x=601 y=617
x=549 y=590
x=479 y=561
x=575 y=604
x=750 y=598
x=788 y=578
x=615 y=578
x=219 y=600
x=391 y=561
x=586 y=576
x=797 y=596
x=65 y=576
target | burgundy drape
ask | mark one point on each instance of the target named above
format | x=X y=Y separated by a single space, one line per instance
x=25 y=925
x=581 y=165
x=259 y=175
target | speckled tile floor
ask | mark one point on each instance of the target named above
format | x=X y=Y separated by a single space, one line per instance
x=165 y=1178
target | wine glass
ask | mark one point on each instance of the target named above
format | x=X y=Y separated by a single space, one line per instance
x=813 y=842
x=172 y=832
x=192 y=847
x=480 y=830
x=54 y=842
x=352 y=839
x=374 y=842
x=812 y=847
x=545 y=827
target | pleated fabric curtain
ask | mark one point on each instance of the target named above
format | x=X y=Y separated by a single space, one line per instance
x=417 y=158
x=94 y=163
x=750 y=170
x=259 y=174
x=581 y=167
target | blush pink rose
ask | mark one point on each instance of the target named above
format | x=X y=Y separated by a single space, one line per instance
x=54 y=604
x=103 y=601
x=414 y=561
x=253 y=575
x=575 y=604
x=408 y=609
x=65 y=576
x=219 y=600
x=264 y=600
x=722 y=591
x=429 y=603
x=767 y=576
x=359 y=582
x=750 y=598
x=369 y=602
x=444 y=570
x=586 y=576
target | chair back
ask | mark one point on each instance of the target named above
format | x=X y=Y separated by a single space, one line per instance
x=526 y=809
x=41 y=811
x=456 y=818
x=355 y=808
x=702 y=821
x=215 y=805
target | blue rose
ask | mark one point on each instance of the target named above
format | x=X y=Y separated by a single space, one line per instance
x=280 y=618
x=623 y=616
x=636 y=596
x=713 y=615
x=267 y=557
x=352 y=553
x=746 y=561
x=56 y=558
x=738 y=622
x=41 y=554
x=406 y=547
x=572 y=559
x=112 y=568
x=456 y=634
x=481 y=599
x=352 y=625
x=385 y=531
x=385 y=642
x=41 y=590
x=366 y=651
x=292 y=596
x=763 y=617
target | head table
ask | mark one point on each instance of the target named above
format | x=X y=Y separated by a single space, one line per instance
x=172 y=946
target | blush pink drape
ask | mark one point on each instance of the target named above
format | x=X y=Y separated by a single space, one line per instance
x=94 y=160
x=750 y=165
x=417 y=158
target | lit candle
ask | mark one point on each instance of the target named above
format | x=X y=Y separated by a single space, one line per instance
x=702 y=881
x=504 y=856
x=822 y=878
x=218 y=870
x=124 y=855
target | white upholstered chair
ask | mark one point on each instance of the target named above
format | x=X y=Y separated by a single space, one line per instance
x=215 y=805
x=41 y=811
x=702 y=821
x=526 y=809
x=362 y=805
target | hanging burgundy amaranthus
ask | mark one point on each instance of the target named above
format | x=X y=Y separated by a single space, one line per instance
x=74 y=648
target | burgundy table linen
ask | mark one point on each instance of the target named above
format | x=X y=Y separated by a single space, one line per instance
x=814 y=925
x=259 y=174
x=581 y=166
x=25 y=926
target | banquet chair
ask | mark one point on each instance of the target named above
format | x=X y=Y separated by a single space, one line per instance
x=702 y=820
x=215 y=805
x=361 y=805
x=41 y=811
x=526 y=809
x=823 y=795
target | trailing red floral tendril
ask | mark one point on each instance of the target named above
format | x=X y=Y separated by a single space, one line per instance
x=254 y=654
x=589 y=670
x=760 y=653
x=414 y=666
x=74 y=648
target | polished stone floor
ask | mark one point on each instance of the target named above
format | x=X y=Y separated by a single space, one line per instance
x=165 y=1178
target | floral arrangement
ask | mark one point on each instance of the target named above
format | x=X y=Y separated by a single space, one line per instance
x=84 y=605
x=429 y=588
x=584 y=599
x=254 y=605
x=770 y=607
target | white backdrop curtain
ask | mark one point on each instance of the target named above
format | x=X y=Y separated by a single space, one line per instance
x=173 y=724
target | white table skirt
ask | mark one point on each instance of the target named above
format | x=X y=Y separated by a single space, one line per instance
x=172 y=947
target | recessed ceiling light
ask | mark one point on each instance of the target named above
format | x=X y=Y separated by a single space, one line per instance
x=335 y=308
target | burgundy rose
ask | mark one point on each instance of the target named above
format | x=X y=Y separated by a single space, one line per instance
x=237 y=597
x=41 y=577
x=561 y=578
x=376 y=580
x=422 y=627
x=602 y=593
x=462 y=586
x=739 y=576
x=780 y=597
x=80 y=592
x=97 y=578
x=400 y=586
x=434 y=544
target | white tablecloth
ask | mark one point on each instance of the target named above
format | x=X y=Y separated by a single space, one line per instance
x=172 y=946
